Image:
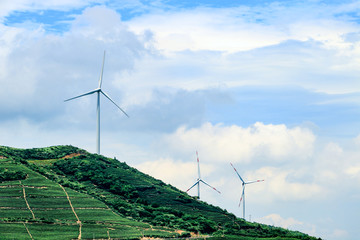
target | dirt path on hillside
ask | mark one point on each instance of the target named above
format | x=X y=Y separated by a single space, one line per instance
x=28 y=231
x=27 y=204
x=108 y=234
x=72 y=208
x=15 y=186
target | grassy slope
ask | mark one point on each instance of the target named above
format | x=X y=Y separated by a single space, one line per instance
x=109 y=198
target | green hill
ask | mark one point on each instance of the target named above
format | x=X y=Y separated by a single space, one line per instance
x=64 y=192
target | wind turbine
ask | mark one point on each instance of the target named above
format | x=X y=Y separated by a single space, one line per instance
x=243 y=190
x=98 y=91
x=199 y=179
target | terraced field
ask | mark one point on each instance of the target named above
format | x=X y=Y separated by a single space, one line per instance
x=38 y=208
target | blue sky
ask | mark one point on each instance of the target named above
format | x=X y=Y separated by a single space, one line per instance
x=271 y=86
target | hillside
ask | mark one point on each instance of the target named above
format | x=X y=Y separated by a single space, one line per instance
x=64 y=192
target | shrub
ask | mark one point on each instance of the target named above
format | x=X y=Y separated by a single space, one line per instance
x=6 y=175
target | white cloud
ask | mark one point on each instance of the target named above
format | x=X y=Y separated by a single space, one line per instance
x=290 y=223
x=288 y=185
x=274 y=45
x=206 y=29
x=178 y=173
x=353 y=171
x=333 y=149
x=99 y=23
x=218 y=143
x=22 y=133
x=39 y=66
x=304 y=65
x=331 y=160
x=245 y=28
x=277 y=220
x=357 y=140
x=340 y=234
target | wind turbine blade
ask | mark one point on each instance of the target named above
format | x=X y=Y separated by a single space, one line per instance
x=242 y=196
x=108 y=97
x=82 y=95
x=255 y=181
x=198 y=162
x=209 y=186
x=192 y=186
x=102 y=70
x=237 y=173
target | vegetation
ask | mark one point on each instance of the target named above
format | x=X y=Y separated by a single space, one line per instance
x=6 y=175
x=64 y=189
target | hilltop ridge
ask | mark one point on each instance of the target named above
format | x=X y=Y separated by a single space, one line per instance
x=66 y=191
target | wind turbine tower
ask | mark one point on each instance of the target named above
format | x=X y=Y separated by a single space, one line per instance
x=242 y=198
x=199 y=179
x=98 y=91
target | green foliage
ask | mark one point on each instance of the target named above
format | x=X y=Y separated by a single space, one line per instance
x=108 y=196
x=98 y=171
x=54 y=218
x=8 y=175
x=41 y=153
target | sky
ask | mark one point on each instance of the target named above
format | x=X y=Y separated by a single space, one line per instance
x=270 y=86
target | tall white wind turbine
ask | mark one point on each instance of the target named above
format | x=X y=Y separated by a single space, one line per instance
x=98 y=91
x=199 y=179
x=242 y=198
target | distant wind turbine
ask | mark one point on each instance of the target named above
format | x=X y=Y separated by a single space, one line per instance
x=98 y=91
x=242 y=199
x=199 y=179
